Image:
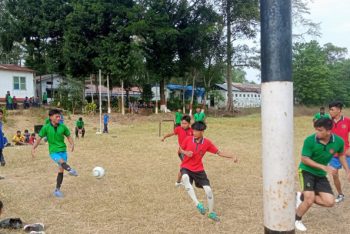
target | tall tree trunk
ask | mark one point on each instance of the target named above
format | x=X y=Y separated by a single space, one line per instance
x=123 y=105
x=229 y=105
x=163 y=106
x=156 y=109
x=92 y=93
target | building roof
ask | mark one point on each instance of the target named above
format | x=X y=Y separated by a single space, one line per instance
x=13 y=67
x=241 y=87
x=48 y=77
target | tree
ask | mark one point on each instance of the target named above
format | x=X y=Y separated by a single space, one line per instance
x=241 y=19
x=311 y=74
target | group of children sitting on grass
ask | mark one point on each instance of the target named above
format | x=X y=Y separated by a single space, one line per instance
x=23 y=139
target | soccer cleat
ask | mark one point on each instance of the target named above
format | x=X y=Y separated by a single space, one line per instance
x=339 y=198
x=298 y=200
x=213 y=216
x=201 y=208
x=300 y=226
x=35 y=227
x=58 y=193
x=73 y=172
x=177 y=184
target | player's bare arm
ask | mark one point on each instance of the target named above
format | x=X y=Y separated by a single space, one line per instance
x=311 y=163
x=168 y=135
x=71 y=143
x=36 y=143
x=227 y=155
x=185 y=152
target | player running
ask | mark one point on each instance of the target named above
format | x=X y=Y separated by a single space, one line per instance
x=317 y=152
x=194 y=149
x=55 y=133
x=341 y=127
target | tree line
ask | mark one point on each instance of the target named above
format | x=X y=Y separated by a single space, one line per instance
x=141 y=42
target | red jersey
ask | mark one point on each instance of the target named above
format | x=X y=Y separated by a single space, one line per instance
x=31 y=140
x=342 y=129
x=182 y=133
x=199 y=149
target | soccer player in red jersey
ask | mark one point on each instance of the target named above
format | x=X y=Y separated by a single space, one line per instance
x=341 y=127
x=182 y=132
x=194 y=149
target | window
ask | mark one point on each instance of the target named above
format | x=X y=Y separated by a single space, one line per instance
x=240 y=95
x=19 y=83
x=236 y=95
x=255 y=95
x=243 y=95
x=248 y=95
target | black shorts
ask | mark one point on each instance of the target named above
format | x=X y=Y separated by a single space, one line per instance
x=199 y=177
x=181 y=156
x=311 y=182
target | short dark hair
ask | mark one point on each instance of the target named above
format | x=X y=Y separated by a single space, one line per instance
x=1 y=111
x=33 y=134
x=54 y=112
x=337 y=104
x=325 y=123
x=18 y=131
x=80 y=118
x=187 y=118
x=322 y=108
x=26 y=130
x=199 y=126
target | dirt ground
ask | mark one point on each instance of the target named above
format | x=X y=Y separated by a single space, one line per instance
x=137 y=194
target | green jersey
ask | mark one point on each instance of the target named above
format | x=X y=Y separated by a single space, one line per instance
x=320 y=153
x=55 y=137
x=178 y=117
x=9 y=99
x=45 y=97
x=199 y=117
x=79 y=124
x=47 y=121
x=318 y=116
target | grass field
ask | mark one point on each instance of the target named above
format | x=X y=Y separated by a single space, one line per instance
x=138 y=195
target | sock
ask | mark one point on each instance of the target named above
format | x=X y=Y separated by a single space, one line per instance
x=189 y=188
x=59 y=180
x=65 y=166
x=297 y=218
x=210 y=198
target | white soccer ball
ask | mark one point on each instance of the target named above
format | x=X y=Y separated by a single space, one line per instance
x=98 y=172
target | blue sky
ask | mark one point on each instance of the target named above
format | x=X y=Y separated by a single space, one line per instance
x=335 y=26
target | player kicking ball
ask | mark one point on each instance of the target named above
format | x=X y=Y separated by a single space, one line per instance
x=55 y=132
x=317 y=152
x=194 y=148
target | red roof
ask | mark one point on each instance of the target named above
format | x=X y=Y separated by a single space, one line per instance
x=13 y=67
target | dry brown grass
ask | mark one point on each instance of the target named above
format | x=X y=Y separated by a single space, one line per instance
x=137 y=195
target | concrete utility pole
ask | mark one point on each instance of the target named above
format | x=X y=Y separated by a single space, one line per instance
x=277 y=116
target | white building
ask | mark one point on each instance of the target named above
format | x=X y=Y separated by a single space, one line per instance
x=48 y=83
x=18 y=80
x=244 y=95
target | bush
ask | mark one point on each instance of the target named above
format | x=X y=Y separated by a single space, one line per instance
x=5 y=114
x=90 y=108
